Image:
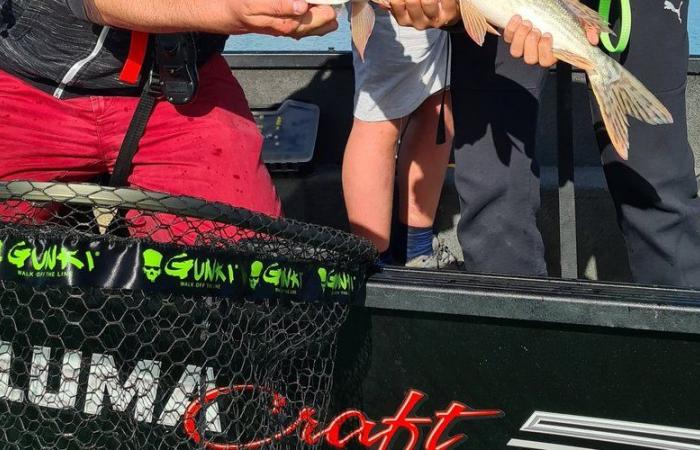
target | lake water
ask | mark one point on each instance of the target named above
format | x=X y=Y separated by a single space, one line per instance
x=695 y=28
x=340 y=40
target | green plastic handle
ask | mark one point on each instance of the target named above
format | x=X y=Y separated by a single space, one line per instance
x=625 y=31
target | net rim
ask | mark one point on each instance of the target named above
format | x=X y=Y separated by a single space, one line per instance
x=360 y=250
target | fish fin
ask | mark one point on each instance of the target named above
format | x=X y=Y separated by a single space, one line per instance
x=574 y=59
x=475 y=22
x=625 y=96
x=362 y=23
x=587 y=16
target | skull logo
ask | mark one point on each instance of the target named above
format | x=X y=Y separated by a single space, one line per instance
x=323 y=276
x=255 y=272
x=152 y=260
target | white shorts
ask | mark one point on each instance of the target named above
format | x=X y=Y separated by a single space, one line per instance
x=402 y=68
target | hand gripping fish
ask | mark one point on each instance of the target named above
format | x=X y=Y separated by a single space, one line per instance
x=361 y=19
x=618 y=92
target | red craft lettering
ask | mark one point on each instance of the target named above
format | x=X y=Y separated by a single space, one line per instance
x=334 y=430
x=362 y=428
x=308 y=433
x=401 y=421
x=446 y=418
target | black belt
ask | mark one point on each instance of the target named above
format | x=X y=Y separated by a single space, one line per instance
x=172 y=74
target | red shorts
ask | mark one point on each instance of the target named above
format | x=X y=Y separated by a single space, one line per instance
x=208 y=149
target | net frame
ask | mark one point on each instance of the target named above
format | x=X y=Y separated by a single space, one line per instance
x=283 y=345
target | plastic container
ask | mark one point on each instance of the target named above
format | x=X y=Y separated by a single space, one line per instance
x=289 y=133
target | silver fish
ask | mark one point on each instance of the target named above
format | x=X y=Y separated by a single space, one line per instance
x=618 y=92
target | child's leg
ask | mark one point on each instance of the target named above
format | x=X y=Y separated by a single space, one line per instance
x=422 y=165
x=368 y=179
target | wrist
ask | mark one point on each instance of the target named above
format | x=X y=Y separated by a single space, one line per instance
x=227 y=16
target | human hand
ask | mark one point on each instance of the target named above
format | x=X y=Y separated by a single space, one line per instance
x=534 y=47
x=424 y=14
x=293 y=18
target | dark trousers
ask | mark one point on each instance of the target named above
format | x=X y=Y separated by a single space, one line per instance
x=496 y=103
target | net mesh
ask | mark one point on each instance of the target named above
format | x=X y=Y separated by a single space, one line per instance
x=137 y=320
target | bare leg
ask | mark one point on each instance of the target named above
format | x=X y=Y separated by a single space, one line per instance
x=422 y=163
x=368 y=179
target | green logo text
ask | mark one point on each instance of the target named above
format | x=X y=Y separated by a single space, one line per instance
x=44 y=262
x=282 y=278
x=336 y=282
x=192 y=272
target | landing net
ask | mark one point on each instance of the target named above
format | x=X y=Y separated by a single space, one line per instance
x=136 y=320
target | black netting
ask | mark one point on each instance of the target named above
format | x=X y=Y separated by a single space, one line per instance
x=136 y=320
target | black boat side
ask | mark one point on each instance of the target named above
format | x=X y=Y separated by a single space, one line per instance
x=571 y=364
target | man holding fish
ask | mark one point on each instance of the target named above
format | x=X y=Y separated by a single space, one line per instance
x=648 y=162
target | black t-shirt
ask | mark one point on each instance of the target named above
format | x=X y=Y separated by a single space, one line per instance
x=49 y=45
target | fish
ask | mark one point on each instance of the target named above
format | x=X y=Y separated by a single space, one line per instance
x=362 y=19
x=618 y=93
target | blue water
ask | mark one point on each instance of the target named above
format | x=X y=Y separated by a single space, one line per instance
x=694 y=27
x=340 y=40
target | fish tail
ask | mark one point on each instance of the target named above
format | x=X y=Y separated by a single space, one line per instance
x=620 y=94
x=362 y=23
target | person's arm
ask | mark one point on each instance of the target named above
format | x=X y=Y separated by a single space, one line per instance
x=293 y=18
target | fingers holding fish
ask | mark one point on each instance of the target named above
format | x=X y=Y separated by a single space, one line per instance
x=400 y=12
x=531 y=52
x=318 y=21
x=511 y=28
x=277 y=8
x=424 y=14
x=593 y=34
x=275 y=17
x=528 y=43
x=545 y=51
x=293 y=18
x=515 y=34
